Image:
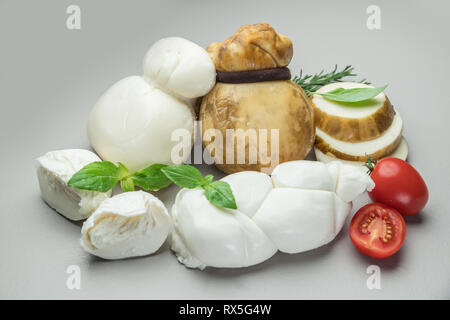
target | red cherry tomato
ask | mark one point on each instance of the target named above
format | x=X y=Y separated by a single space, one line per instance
x=377 y=230
x=399 y=185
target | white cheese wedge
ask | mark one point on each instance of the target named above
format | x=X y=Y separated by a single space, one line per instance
x=129 y=224
x=54 y=171
x=301 y=207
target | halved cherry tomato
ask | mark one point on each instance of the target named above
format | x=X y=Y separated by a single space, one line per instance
x=377 y=230
x=399 y=185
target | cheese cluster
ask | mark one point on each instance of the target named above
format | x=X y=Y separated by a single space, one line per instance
x=134 y=121
x=302 y=206
x=353 y=131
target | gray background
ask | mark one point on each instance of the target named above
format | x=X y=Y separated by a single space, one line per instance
x=50 y=77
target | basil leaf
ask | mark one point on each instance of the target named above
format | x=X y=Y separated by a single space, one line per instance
x=207 y=179
x=352 y=95
x=97 y=176
x=184 y=175
x=151 y=178
x=127 y=184
x=123 y=171
x=219 y=194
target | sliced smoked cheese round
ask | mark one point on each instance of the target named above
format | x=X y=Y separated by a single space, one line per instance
x=358 y=151
x=355 y=121
x=401 y=152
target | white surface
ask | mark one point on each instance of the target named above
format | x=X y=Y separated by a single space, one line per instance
x=51 y=77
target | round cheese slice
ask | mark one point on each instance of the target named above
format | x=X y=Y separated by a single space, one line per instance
x=358 y=151
x=401 y=152
x=352 y=122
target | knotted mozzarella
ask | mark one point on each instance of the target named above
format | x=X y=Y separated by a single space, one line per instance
x=217 y=237
x=133 y=122
x=301 y=207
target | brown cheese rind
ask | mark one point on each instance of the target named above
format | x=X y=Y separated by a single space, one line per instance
x=281 y=105
x=254 y=76
x=328 y=150
x=252 y=47
x=358 y=129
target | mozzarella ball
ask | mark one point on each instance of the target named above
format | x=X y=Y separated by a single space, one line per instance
x=54 y=171
x=133 y=123
x=180 y=66
x=129 y=224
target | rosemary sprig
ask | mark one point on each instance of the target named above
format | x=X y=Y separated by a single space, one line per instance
x=311 y=83
x=370 y=164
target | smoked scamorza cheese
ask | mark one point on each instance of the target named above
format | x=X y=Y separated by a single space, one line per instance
x=302 y=206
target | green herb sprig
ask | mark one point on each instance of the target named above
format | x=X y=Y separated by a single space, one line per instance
x=312 y=83
x=104 y=175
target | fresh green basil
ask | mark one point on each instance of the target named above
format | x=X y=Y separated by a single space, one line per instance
x=127 y=184
x=184 y=175
x=97 y=176
x=207 y=179
x=352 y=95
x=104 y=175
x=219 y=194
x=151 y=178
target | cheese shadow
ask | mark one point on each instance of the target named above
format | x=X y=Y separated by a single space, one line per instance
x=277 y=260
x=94 y=261
x=388 y=264
x=419 y=218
